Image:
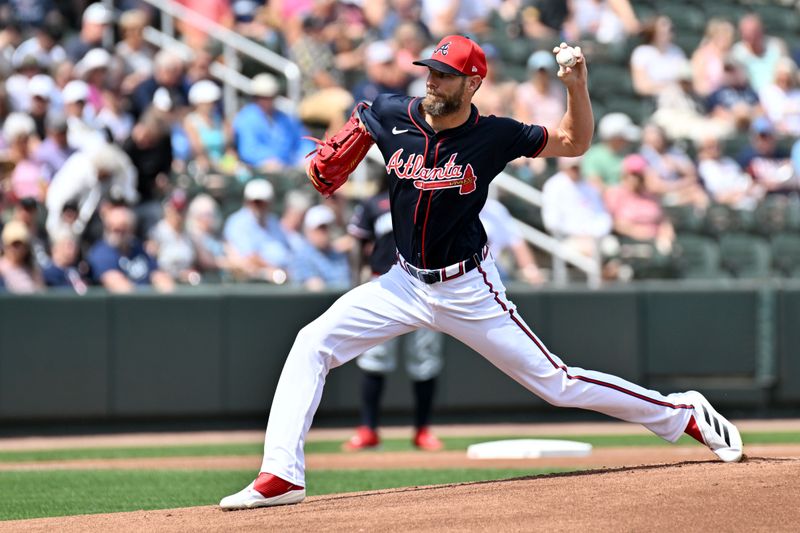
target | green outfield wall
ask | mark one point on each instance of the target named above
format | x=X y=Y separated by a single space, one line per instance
x=218 y=351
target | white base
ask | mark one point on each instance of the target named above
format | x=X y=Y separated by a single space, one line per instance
x=528 y=449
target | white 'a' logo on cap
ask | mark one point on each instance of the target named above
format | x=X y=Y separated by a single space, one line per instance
x=474 y=68
x=442 y=49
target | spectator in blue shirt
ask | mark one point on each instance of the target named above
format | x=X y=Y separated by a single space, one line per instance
x=256 y=237
x=119 y=262
x=317 y=264
x=266 y=138
x=63 y=272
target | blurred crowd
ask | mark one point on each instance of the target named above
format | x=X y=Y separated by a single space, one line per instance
x=118 y=167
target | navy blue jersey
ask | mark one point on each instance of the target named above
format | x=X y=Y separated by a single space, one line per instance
x=438 y=181
x=372 y=221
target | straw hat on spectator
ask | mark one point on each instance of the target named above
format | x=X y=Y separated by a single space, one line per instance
x=75 y=91
x=264 y=85
x=133 y=18
x=15 y=231
x=204 y=92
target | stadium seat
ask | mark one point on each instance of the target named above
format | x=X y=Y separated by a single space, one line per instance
x=745 y=256
x=697 y=257
x=684 y=218
x=725 y=9
x=686 y=18
x=786 y=254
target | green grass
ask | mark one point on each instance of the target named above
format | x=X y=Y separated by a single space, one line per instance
x=451 y=443
x=35 y=494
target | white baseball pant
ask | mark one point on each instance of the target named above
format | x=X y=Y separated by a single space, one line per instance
x=472 y=308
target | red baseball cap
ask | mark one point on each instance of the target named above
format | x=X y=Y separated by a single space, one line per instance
x=457 y=55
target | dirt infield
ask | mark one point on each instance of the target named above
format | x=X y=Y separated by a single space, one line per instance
x=759 y=494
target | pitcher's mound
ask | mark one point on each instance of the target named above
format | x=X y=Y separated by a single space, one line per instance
x=755 y=495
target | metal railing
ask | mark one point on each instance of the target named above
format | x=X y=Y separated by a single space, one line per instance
x=232 y=43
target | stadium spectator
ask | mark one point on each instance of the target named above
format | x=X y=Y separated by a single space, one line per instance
x=445 y=17
x=218 y=11
x=671 y=174
x=17 y=266
x=28 y=177
x=54 y=150
x=208 y=133
x=266 y=138
x=45 y=42
x=41 y=89
x=766 y=161
x=64 y=270
x=92 y=178
x=10 y=38
x=262 y=27
x=540 y=100
x=504 y=236
x=606 y=21
x=708 y=60
x=255 y=236
x=756 y=52
x=17 y=83
x=113 y=119
x=171 y=245
x=781 y=99
x=735 y=102
x=657 y=62
x=724 y=179
x=26 y=210
x=637 y=214
x=96 y=18
x=497 y=94
x=203 y=223
x=94 y=70
x=119 y=262
x=383 y=75
x=149 y=148
x=409 y=40
x=169 y=74
x=573 y=210
x=602 y=163
x=82 y=131
x=681 y=112
x=136 y=54
x=295 y=204
x=313 y=55
x=317 y=265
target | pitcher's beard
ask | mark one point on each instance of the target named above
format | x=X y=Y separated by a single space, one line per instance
x=439 y=105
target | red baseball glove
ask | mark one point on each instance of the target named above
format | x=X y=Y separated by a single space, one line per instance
x=338 y=156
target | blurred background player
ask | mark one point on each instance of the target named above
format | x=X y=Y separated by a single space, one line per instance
x=422 y=349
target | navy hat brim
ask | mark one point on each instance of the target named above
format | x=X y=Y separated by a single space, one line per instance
x=435 y=64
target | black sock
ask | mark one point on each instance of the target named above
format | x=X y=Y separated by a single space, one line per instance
x=423 y=394
x=371 y=392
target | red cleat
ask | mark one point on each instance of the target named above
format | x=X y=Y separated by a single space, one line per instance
x=425 y=440
x=266 y=491
x=364 y=439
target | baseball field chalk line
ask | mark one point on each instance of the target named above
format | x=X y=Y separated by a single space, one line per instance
x=528 y=449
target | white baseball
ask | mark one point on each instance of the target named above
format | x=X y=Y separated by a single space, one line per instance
x=566 y=57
